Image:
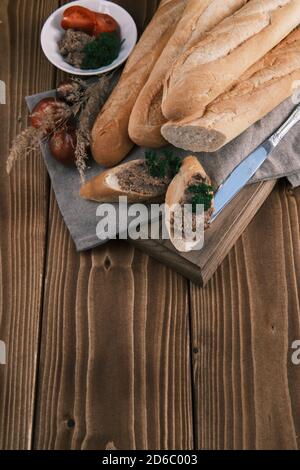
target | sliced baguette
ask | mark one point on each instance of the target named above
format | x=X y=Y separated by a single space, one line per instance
x=110 y=140
x=106 y=187
x=190 y=168
x=199 y=16
x=213 y=65
x=264 y=86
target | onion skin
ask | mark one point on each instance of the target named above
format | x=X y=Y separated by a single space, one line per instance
x=63 y=145
x=49 y=107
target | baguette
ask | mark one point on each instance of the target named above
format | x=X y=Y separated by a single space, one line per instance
x=263 y=87
x=191 y=173
x=164 y=2
x=130 y=179
x=212 y=66
x=199 y=16
x=110 y=142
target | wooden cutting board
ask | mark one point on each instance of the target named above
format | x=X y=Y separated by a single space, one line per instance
x=199 y=266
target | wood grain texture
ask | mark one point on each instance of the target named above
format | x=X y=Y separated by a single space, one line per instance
x=23 y=220
x=114 y=369
x=141 y=11
x=115 y=366
x=244 y=322
x=115 y=361
x=99 y=344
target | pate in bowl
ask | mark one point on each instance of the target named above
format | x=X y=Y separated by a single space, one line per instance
x=53 y=33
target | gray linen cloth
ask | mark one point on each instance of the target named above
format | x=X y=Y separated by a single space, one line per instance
x=80 y=215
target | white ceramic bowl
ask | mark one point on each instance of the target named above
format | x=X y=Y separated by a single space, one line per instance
x=52 y=32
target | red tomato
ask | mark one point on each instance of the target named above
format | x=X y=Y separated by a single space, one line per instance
x=104 y=24
x=49 y=106
x=63 y=145
x=79 y=18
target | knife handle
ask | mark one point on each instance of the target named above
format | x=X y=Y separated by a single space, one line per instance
x=286 y=127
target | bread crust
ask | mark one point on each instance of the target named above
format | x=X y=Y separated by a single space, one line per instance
x=199 y=16
x=110 y=142
x=263 y=87
x=100 y=189
x=189 y=168
x=212 y=66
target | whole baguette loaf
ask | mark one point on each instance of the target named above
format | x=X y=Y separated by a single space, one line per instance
x=110 y=141
x=199 y=16
x=263 y=87
x=213 y=65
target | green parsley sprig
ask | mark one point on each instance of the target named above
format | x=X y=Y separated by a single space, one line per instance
x=161 y=166
x=102 y=51
x=203 y=194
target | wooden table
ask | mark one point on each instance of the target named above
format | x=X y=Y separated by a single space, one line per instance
x=111 y=349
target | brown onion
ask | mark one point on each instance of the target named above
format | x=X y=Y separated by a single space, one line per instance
x=63 y=145
x=48 y=113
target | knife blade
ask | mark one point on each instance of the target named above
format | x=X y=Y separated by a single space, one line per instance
x=251 y=164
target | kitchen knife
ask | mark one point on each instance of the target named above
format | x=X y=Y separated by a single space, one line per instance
x=248 y=167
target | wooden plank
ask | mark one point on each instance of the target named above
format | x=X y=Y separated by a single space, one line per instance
x=115 y=370
x=23 y=220
x=115 y=359
x=199 y=266
x=141 y=11
x=244 y=322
